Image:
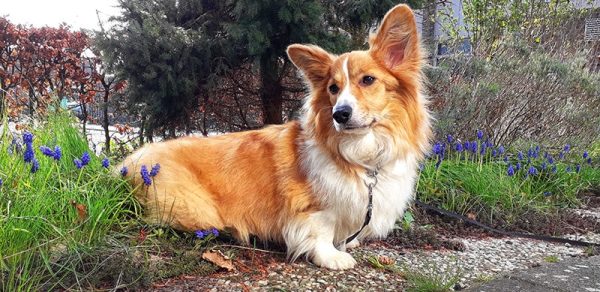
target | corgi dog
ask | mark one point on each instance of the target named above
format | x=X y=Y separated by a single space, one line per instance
x=310 y=183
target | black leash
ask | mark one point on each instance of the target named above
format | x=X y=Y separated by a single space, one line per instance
x=370 y=186
x=503 y=232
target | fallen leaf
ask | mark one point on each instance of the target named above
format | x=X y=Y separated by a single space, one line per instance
x=219 y=259
x=142 y=236
x=471 y=216
x=81 y=211
x=386 y=261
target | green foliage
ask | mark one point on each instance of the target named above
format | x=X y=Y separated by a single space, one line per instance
x=430 y=278
x=480 y=184
x=38 y=217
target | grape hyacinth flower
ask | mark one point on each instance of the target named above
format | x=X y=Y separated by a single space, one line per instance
x=438 y=163
x=585 y=155
x=458 y=147
x=200 y=234
x=155 y=169
x=520 y=155
x=518 y=167
x=449 y=138
x=577 y=168
x=501 y=150
x=554 y=169
x=547 y=194
x=28 y=156
x=561 y=155
x=467 y=145
x=78 y=163
x=568 y=169
x=145 y=175
x=479 y=134
x=532 y=170
x=474 y=147
x=510 y=171
x=47 y=151
x=1 y=182
x=27 y=138
x=105 y=163
x=85 y=158
x=57 y=153
x=214 y=231
x=483 y=148
x=589 y=160
x=494 y=152
x=544 y=165
x=124 y=171
x=505 y=158
x=35 y=165
x=550 y=159
x=567 y=148
x=437 y=148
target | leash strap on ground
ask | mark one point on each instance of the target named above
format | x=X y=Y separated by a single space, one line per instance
x=503 y=232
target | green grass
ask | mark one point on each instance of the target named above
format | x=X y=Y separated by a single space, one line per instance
x=430 y=278
x=480 y=184
x=37 y=220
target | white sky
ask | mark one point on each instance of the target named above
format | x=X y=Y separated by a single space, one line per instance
x=76 y=13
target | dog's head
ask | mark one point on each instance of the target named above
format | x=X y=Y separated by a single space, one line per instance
x=369 y=93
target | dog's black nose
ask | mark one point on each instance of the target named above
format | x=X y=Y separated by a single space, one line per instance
x=342 y=114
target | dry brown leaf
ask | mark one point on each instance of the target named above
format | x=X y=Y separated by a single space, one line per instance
x=219 y=259
x=471 y=216
x=386 y=261
x=81 y=211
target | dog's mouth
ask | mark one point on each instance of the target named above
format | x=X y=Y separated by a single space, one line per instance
x=350 y=127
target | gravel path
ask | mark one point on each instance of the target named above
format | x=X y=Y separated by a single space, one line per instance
x=481 y=260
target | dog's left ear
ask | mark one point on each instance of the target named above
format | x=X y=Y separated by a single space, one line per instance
x=396 y=42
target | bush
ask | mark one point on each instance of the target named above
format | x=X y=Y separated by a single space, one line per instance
x=522 y=93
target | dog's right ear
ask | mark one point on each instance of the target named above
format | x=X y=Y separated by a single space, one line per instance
x=313 y=61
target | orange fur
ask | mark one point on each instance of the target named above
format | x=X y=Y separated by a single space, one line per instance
x=263 y=183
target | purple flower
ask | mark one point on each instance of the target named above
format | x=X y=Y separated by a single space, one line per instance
x=585 y=155
x=561 y=155
x=27 y=138
x=547 y=194
x=537 y=148
x=124 y=171
x=567 y=148
x=458 y=147
x=568 y=169
x=145 y=176
x=510 y=171
x=589 y=160
x=85 y=158
x=214 y=231
x=474 y=147
x=479 y=134
x=437 y=148
x=501 y=149
x=28 y=156
x=544 y=165
x=47 y=151
x=494 y=152
x=78 y=163
x=155 y=169
x=467 y=146
x=57 y=153
x=577 y=168
x=520 y=155
x=532 y=170
x=554 y=169
x=35 y=165
x=518 y=167
x=550 y=159
x=483 y=148
x=449 y=138
x=1 y=182
x=505 y=158
x=200 y=234
x=105 y=163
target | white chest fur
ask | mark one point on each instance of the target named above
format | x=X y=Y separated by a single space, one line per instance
x=347 y=197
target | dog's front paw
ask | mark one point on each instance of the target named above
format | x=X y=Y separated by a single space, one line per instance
x=335 y=260
x=352 y=244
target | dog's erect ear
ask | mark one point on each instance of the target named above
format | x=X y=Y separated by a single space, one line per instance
x=313 y=61
x=396 y=42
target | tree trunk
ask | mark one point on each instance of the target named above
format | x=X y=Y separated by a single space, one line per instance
x=105 y=122
x=271 y=90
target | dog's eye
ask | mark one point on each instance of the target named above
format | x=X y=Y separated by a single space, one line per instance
x=368 y=80
x=334 y=89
